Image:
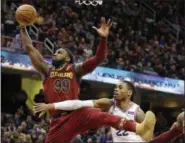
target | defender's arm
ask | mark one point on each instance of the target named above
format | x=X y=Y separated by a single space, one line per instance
x=69 y=105
x=103 y=103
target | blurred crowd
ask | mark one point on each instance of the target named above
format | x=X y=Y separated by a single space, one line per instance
x=136 y=43
x=22 y=127
x=171 y=10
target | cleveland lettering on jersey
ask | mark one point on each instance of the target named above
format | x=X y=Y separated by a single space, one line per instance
x=54 y=74
x=63 y=85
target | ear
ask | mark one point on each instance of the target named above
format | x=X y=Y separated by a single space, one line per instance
x=129 y=93
x=67 y=59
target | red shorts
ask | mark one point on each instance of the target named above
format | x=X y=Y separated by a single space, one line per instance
x=65 y=128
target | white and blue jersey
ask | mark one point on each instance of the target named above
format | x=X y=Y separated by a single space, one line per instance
x=129 y=114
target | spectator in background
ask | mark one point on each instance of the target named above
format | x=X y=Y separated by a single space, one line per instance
x=19 y=117
x=30 y=123
x=16 y=43
x=19 y=102
x=161 y=124
x=9 y=25
x=141 y=41
x=77 y=139
x=39 y=98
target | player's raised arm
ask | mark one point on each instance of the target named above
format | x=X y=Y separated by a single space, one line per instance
x=93 y=62
x=36 y=58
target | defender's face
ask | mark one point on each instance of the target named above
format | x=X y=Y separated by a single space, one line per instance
x=121 y=91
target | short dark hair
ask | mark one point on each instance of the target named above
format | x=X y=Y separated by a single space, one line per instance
x=70 y=55
x=131 y=87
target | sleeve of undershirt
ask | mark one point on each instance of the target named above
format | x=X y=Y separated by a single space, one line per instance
x=73 y=104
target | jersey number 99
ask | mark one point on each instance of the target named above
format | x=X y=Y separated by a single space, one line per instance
x=62 y=85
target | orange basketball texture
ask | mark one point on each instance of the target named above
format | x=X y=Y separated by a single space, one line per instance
x=26 y=14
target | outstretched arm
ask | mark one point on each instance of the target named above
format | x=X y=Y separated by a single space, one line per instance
x=69 y=105
x=36 y=58
x=103 y=103
x=93 y=62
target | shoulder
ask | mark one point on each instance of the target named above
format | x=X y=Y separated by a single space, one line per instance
x=135 y=106
x=139 y=115
x=49 y=69
x=69 y=67
x=73 y=66
x=106 y=100
x=112 y=105
x=113 y=102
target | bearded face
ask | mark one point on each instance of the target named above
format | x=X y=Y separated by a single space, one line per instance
x=60 y=57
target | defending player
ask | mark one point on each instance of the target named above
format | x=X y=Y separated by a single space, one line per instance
x=121 y=106
x=61 y=82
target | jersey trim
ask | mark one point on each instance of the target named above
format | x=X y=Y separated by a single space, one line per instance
x=78 y=78
x=138 y=107
x=46 y=75
x=113 y=106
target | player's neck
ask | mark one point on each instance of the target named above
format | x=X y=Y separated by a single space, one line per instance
x=61 y=66
x=124 y=104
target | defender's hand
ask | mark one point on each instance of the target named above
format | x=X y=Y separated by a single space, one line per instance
x=42 y=107
x=103 y=31
x=42 y=114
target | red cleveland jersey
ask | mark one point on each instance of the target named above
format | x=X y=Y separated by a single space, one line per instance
x=60 y=85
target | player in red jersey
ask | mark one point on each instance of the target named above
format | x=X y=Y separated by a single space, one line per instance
x=61 y=83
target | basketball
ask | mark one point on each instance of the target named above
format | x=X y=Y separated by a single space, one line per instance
x=26 y=15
